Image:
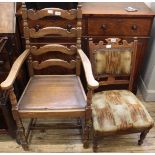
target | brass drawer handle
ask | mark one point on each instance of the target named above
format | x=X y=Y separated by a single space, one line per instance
x=104 y=27
x=37 y=27
x=134 y=27
x=1 y=63
x=69 y=27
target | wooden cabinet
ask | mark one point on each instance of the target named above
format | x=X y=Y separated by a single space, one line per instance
x=103 y=20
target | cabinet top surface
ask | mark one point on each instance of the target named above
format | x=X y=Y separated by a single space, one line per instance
x=7 y=18
x=116 y=8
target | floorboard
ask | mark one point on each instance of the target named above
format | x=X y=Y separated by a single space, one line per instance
x=69 y=140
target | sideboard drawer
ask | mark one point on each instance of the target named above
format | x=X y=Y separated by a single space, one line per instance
x=99 y=26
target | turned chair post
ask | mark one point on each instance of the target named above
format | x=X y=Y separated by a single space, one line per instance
x=88 y=121
x=27 y=38
x=20 y=133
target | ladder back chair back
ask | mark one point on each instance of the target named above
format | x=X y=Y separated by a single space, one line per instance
x=116 y=111
x=38 y=32
x=60 y=96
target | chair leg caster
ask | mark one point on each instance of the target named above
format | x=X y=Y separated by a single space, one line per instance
x=142 y=136
x=94 y=149
x=86 y=137
x=86 y=145
x=25 y=147
x=18 y=141
x=95 y=142
x=140 y=142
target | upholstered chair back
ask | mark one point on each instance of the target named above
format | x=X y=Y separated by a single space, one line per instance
x=113 y=61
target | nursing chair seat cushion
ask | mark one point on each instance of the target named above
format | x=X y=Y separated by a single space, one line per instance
x=118 y=110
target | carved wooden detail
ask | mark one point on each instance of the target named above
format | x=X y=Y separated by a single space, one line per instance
x=27 y=37
x=13 y=101
x=79 y=23
x=54 y=62
x=67 y=14
x=53 y=31
x=20 y=134
x=52 y=48
x=114 y=42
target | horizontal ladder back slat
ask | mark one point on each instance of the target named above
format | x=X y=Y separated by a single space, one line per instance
x=52 y=31
x=103 y=83
x=66 y=14
x=52 y=48
x=54 y=62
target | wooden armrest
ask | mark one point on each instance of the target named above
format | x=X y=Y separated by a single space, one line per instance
x=14 y=70
x=92 y=83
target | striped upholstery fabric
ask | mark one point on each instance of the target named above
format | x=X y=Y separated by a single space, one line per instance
x=118 y=110
x=113 y=61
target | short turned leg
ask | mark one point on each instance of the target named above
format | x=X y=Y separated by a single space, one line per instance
x=95 y=142
x=142 y=136
x=86 y=137
x=20 y=135
x=86 y=133
x=79 y=121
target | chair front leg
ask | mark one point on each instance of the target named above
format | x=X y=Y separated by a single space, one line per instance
x=142 y=136
x=87 y=128
x=20 y=133
x=95 y=141
x=88 y=120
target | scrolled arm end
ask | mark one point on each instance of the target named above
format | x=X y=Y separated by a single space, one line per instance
x=8 y=83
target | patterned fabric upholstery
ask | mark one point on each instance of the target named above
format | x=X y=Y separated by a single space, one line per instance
x=113 y=61
x=118 y=110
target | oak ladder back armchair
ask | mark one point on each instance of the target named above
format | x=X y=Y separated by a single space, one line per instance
x=60 y=96
x=116 y=111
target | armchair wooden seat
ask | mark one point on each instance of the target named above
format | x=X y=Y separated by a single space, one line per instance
x=116 y=111
x=53 y=93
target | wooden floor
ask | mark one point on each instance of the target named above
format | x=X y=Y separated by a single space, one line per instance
x=69 y=140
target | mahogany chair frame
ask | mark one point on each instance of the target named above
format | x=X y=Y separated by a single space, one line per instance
x=7 y=85
x=115 y=43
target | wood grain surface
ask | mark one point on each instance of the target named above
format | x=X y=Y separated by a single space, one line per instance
x=69 y=140
x=115 y=8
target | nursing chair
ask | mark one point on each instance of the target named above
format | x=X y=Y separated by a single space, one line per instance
x=55 y=96
x=116 y=111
